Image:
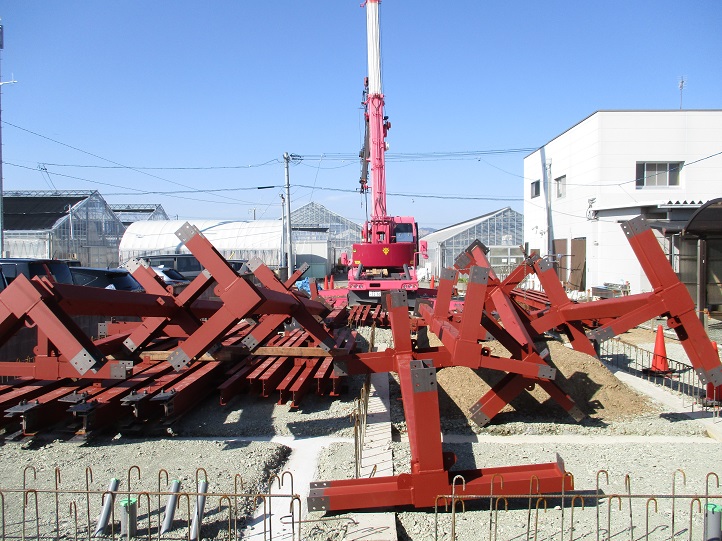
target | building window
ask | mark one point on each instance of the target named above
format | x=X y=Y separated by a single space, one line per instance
x=658 y=174
x=535 y=188
x=561 y=186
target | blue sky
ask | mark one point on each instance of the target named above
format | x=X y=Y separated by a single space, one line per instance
x=203 y=98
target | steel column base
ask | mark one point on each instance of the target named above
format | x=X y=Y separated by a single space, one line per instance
x=423 y=489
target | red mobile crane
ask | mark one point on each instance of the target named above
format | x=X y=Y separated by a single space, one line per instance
x=385 y=259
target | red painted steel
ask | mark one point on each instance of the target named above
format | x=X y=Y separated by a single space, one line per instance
x=180 y=397
x=490 y=305
x=430 y=475
x=43 y=410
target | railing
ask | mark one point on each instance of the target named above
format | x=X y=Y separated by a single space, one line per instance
x=681 y=378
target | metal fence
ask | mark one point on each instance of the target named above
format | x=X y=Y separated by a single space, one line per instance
x=613 y=510
x=681 y=377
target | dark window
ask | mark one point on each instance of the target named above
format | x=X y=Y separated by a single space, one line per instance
x=10 y=270
x=108 y=279
x=186 y=264
x=59 y=271
x=658 y=174
x=173 y=274
x=535 y=189
x=404 y=232
x=165 y=263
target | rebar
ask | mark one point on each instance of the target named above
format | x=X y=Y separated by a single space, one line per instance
x=616 y=526
x=656 y=511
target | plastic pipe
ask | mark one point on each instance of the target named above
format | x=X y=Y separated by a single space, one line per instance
x=170 y=507
x=128 y=517
x=107 y=507
x=198 y=513
x=712 y=522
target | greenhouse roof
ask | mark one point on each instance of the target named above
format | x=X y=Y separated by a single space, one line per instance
x=159 y=235
x=32 y=211
x=447 y=232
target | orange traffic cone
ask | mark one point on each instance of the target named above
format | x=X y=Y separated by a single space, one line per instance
x=714 y=394
x=325 y=282
x=659 y=361
x=331 y=282
x=433 y=282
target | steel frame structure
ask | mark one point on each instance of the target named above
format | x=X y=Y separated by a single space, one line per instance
x=243 y=324
x=124 y=360
x=490 y=308
x=64 y=350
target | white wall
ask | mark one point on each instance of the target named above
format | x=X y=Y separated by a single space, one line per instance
x=318 y=254
x=599 y=157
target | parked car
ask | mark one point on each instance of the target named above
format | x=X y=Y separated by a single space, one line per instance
x=171 y=277
x=186 y=264
x=119 y=279
x=55 y=269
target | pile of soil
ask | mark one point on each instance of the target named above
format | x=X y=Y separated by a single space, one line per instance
x=595 y=390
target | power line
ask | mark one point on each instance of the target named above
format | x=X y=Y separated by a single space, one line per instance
x=120 y=165
x=174 y=193
x=137 y=191
x=324 y=157
x=189 y=168
x=424 y=196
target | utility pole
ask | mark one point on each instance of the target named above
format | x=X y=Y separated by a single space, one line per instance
x=681 y=88
x=283 y=265
x=289 y=244
x=252 y=212
x=2 y=220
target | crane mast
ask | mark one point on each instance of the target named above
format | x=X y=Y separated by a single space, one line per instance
x=378 y=124
x=385 y=259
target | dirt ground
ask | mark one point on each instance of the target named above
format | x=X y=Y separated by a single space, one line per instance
x=585 y=379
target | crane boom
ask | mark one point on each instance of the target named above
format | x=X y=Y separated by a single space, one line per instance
x=385 y=259
x=378 y=125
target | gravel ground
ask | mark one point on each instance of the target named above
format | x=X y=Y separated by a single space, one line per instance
x=651 y=468
x=624 y=433
x=251 y=416
x=255 y=462
x=650 y=462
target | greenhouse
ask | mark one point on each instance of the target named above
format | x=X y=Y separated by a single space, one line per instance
x=63 y=225
x=129 y=214
x=234 y=240
x=501 y=231
x=314 y=222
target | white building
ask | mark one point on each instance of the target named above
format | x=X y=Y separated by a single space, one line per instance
x=613 y=166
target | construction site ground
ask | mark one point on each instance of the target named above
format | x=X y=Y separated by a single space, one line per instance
x=626 y=432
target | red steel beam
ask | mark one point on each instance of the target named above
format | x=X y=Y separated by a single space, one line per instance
x=100 y=408
x=430 y=475
x=43 y=410
x=181 y=396
x=669 y=298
